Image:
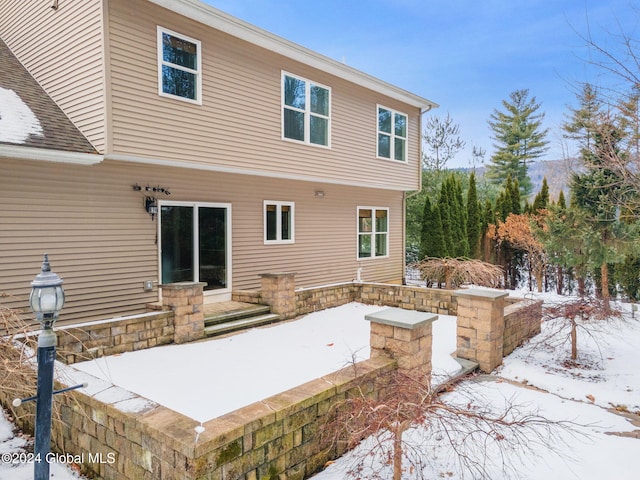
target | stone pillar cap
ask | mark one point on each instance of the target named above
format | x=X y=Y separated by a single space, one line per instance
x=399 y=317
x=478 y=292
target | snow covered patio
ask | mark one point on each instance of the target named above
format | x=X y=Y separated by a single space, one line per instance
x=206 y=379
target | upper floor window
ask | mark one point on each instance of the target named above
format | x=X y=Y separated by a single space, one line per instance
x=373 y=232
x=179 y=66
x=306 y=111
x=278 y=222
x=392 y=134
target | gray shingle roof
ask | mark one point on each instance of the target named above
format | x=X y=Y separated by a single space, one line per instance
x=55 y=131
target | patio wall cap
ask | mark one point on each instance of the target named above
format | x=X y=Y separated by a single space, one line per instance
x=399 y=317
x=477 y=292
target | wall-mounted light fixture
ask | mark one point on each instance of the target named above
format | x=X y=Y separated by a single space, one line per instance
x=151 y=206
x=319 y=193
x=150 y=202
x=54 y=4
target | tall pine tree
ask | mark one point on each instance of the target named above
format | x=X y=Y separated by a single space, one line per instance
x=519 y=139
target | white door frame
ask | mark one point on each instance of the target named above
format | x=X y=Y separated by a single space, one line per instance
x=219 y=294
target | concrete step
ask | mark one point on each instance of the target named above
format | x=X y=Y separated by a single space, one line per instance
x=237 y=314
x=242 y=323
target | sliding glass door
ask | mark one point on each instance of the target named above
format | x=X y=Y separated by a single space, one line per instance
x=195 y=240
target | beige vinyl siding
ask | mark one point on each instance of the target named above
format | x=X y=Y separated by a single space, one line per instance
x=103 y=244
x=63 y=50
x=238 y=125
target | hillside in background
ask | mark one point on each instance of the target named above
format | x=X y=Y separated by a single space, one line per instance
x=557 y=172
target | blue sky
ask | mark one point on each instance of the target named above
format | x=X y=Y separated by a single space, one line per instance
x=466 y=55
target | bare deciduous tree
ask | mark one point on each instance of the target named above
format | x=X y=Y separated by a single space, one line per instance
x=584 y=315
x=399 y=427
x=17 y=350
x=442 y=142
x=454 y=272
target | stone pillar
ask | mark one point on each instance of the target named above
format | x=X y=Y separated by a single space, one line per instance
x=480 y=327
x=185 y=299
x=404 y=335
x=278 y=291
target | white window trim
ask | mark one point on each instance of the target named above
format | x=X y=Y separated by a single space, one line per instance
x=392 y=143
x=306 y=111
x=279 y=205
x=373 y=233
x=161 y=62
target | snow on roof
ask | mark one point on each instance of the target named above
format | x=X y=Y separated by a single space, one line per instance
x=17 y=120
x=28 y=115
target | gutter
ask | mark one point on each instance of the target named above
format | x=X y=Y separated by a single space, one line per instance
x=48 y=155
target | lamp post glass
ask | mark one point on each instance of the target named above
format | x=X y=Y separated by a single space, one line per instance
x=47 y=296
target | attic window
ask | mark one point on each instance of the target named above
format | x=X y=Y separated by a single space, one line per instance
x=179 y=66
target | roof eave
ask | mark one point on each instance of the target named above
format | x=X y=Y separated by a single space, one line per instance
x=48 y=155
x=231 y=25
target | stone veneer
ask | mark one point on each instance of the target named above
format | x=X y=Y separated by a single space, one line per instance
x=522 y=320
x=185 y=299
x=402 y=296
x=404 y=335
x=120 y=436
x=87 y=341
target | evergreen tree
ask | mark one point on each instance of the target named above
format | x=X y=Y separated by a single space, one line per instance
x=519 y=139
x=460 y=240
x=514 y=197
x=562 y=203
x=542 y=198
x=474 y=218
x=628 y=276
x=582 y=122
x=432 y=244
x=629 y=121
x=445 y=206
x=596 y=193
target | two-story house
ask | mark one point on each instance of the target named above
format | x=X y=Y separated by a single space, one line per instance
x=163 y=140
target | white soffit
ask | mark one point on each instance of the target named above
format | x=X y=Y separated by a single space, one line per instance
x=224 y=22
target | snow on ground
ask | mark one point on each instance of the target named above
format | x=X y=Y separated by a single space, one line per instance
x=588 y=453
x=591 y=451
x=16 y=464
x=240 y=369
x=213 y=377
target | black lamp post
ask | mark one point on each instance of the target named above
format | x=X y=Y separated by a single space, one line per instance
x=46 y=301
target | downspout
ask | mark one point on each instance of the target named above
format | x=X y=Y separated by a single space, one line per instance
x=406 y=197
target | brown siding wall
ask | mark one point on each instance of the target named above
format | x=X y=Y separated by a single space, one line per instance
x=238 y=124
x=103 y=244
x=63 y=50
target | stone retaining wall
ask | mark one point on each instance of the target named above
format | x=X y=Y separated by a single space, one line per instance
x=120 y=436
x=410 y=298
x=522 y=320
x=126 y=334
